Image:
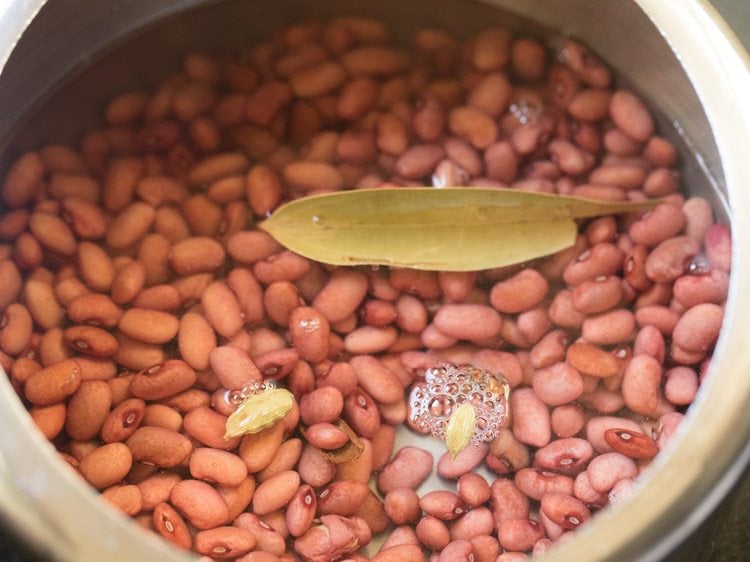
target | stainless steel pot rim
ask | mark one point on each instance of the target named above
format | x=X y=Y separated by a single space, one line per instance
x=683 y=487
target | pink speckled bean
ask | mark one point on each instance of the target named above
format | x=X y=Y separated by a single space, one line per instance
x=301 y=511
x=641 y=384
x=466 y=460
x=659 y=224
x=595 y=428
x=583 y=490
x=377 y=379
x=558 y=384
x=565 y=455
x=606 y=469
x=609 y=328
x=565 y=510
x=473 y=489
x=567 y=420
x=432 y=533
x=314 y=469
x=233 y=367
x=690 y=290
x=603 y=259
x=508 y=502
x=520 y=534
x=275 y=492
x=402 y=505
x=669 y=260
x=342 y=497
x=474 y=523
x=535 y=482
x=681 y=385
x=698 y=327
x=403 y=535
x=408 y=469
x=597 y=295
x=531 y=423
x=326 y=436
x=468 y=321
x=457 y=551
x=718 y=244
x=523 y=291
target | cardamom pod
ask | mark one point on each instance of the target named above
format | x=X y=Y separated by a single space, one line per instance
x=460 y=429
x=259 y=411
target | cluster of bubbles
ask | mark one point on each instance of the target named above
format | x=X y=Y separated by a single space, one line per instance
x=236 y=397
x=448 y=386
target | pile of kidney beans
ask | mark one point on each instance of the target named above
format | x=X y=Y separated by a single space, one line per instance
x=138 y=299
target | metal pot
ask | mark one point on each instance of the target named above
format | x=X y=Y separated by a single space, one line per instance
x=681 y=55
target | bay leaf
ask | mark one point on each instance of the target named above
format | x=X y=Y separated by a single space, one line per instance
x=447 y=229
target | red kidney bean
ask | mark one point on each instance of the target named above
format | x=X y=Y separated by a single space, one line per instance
x=521 y=292
x=565 y=455
x=267 y=538
x=233 y=367
x=473 y=489
x=565 y=510
x=321 y=405
x=535 y=483
x=567 y=420
x=670 y=258
x=376 y=379
x=641 y=384
x=201 y=504
x=520 y=534
x=301 y=511
x=466 y=460
x=408 y=469
x=606 y=469
x=531 y=424
x=443 y=505
x=602 y=259
x=681 y=385
x=474 y=523
x=632 y=444
x=630 y=114
x=508 y=502
x=583 y=490
x=558 y=384
x=168 y=523
x=217 y=466
x=158 y=446
x=698 y=327
x=162 y=380
x=275 y=492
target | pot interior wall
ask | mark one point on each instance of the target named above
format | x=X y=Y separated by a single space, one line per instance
x=71 y=69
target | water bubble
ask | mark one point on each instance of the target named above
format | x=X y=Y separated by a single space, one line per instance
x=446 y=386
x=317 y=219
x=310 y=325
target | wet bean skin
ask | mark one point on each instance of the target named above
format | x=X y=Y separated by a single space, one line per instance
x=137 y=301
